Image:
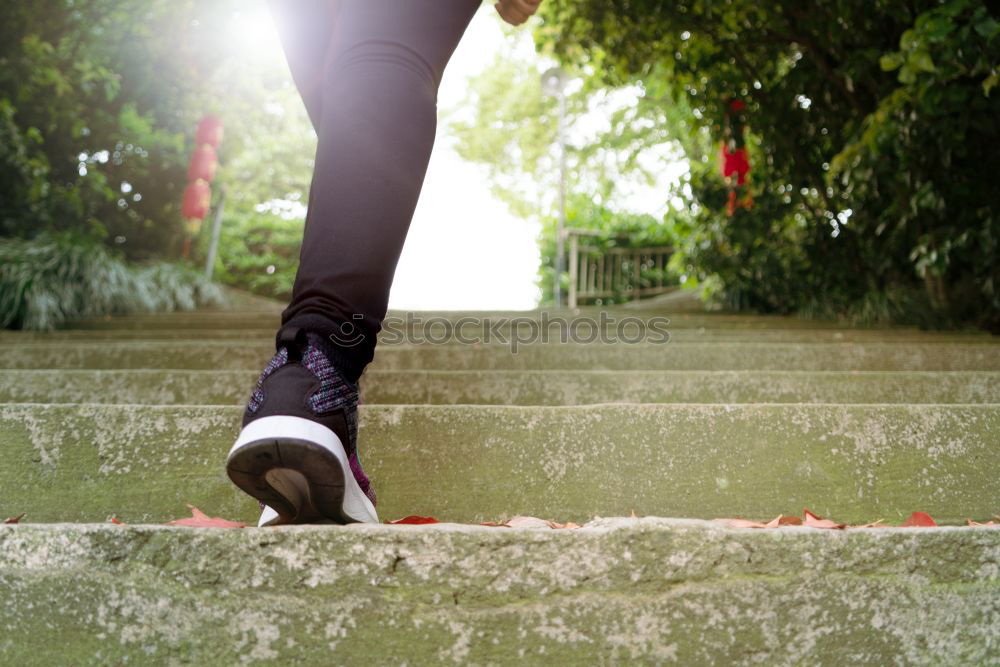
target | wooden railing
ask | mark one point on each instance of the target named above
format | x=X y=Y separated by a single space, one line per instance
x=616 y=272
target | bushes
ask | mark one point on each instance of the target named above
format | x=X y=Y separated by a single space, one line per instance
x=259 y=253
x=872 y=128
x=51 y=279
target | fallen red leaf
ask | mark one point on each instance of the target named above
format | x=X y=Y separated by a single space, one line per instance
x=919 y=520
x=415 y=520
x=816 y=521
x=15 y=519
x=116 y=521
x=199 y=519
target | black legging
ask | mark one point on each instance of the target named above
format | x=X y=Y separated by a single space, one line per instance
x=368 y=72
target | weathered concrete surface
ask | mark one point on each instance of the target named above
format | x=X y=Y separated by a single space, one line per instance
x=269 y=317
x=473 y=463
x=265 y=336
x=617 y=591
x=210 y=387
x=235 y=355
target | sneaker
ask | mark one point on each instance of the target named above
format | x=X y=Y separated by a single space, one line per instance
x=297 y=451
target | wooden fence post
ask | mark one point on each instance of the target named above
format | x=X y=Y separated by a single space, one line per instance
x=574 y=269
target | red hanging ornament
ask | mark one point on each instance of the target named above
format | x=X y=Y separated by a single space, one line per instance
x=209 y=131
x=735 y=163
x=203 y=163
x=197 y=198
x=735 y=160
x=201 y=171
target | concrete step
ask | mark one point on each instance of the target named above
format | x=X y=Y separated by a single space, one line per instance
x=211 y=387
x=270 y=319
x=233 y=355
x=260 y=336
x=474 y=463
x=647 y=591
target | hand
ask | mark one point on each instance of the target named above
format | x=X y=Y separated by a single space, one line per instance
x=516 y=12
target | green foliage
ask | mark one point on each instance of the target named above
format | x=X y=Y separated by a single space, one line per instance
x=98 y=104
x=871 y=186
x=54 y=278
x=94 y=95
x=919 y=158
x=259 y=253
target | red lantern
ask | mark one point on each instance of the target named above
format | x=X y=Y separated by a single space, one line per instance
x=209 y=131
x=203 y=163
x=735 y=158
x=736 y=163
x=197 y=198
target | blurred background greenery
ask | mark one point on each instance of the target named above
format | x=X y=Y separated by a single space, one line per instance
x=873 y=129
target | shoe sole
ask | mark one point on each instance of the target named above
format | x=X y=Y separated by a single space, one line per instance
x=300 y=469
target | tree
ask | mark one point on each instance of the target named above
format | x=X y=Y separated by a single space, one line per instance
x=98 y=104
x=853 y=208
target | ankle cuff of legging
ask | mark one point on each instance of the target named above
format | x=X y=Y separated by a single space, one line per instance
x=349 y=360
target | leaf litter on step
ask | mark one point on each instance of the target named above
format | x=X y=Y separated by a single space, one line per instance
x=813 y=520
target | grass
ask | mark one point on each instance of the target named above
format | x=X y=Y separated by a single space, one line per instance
x=48 y=280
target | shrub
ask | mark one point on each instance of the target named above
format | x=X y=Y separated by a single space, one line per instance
x=50 y=279
x=259 y=253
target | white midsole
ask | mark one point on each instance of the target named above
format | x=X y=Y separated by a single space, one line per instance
x=356 y=503
x=267 y=517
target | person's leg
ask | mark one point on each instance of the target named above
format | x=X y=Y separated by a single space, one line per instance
x=297 y=450
x=306 y=28
x=377 y=123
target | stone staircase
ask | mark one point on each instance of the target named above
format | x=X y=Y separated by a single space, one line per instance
x=736 y=416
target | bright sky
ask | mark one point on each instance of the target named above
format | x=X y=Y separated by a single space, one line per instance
x=464 y=250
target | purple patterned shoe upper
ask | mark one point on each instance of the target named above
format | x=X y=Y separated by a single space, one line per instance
x=335 y=393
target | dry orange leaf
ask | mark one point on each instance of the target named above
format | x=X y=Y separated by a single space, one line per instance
x=816 y=521
x=970 y=522
x=782 y=520
x=199 y=519
x=776 y=522
x=15 y=519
